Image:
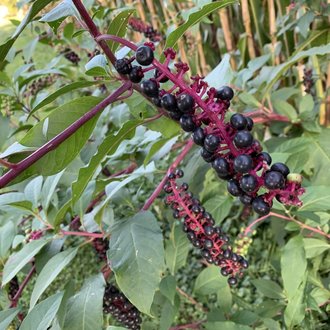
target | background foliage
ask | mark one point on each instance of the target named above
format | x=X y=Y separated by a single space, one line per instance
x=275 y=56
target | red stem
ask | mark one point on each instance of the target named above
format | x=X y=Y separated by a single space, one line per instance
x=58 y=139
x=15 y=300
x=300 y=224
x=81 y=233
x=159 y=188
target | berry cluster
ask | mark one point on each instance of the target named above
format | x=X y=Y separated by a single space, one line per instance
x=115 y=303
x=71 y=56
x=38 y=84
x=13 y=288
x=308 y=80
x=101 y=246
x=148 y=31
x=229 y=146
x=201 y=231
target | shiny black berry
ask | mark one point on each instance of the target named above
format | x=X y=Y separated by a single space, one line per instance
x=179 y=173
x=234 y=188
x=248 y=183
x=243 y=139
x=249 y=124
x=156 y=101
x=207 y=156
x=123 y=66
x=209 y=230
x=246 y=199
x=187 y=123
x=199 y=136
x=158 y=74
x=238 y=121
x=280 y=167
x=243 y=163
x=260 y=206
x=185 y=103
x=168 y=102
x=225 y=93
x=232 y=281
x=265 y=156
x=149 y=87
x=221 y=166
x=274 y=180
x=211 y=142
x=208 y=244
x=144 y=55
x=136 y=74
x=175 y=115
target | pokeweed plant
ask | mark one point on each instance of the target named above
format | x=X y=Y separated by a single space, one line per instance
x=85 y=173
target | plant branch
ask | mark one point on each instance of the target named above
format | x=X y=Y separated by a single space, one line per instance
x=159 y=188
x=61 y=137
x=15 y=300
x=191 y=299
x=81 y=233
x=277 y=215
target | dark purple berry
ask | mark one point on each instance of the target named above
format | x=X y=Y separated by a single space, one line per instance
x=136 y=74
x=280 y=167
x=248 y=183
x=260 y=206
x=149 y=87
x=123 y=66
x=158 y=74
x=225 y=93
x=186 y=103
x=243 y=163
x=265 y=156
x=144 y=55
x=168 y=102
x=208 y=244
x=244 y=263
x=238 y=121
x=243 y=139
x=209 y=230
x=156 y=101
x=221 y=166
x=175 y=115
x=224 y=271
x=249 y=124
x=211 y=142
x=179 y=173
x=274 y=180
x=199 y=136
x=207 y=156
x=187 y=123
x=232 y=281
x=246 y=199
x=206 y=254
x=234 y=188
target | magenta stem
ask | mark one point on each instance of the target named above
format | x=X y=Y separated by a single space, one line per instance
x=58 y=139
x=175 y=164
x=22 y=286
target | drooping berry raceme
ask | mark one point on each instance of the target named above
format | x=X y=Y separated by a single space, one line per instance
x=228 y=146
x=148 y=31
x=13 y=288
x=200 y=228
x=116 y=304
x=101 y=245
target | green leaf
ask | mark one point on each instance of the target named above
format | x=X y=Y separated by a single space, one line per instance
x=195 y=18
x=316 y=198
x=166 y=126
x=219 y=207
x=295 y=310
x=63 y=90
x=227 y=325
x=293 y=265
x=113 y=327
x=85 y=309
x=18 y=260
x=32 y=191
x=286 y=109
x=269 y=288
x=56 y=160
x=107 y=147
x=222 y=74
x=167 y=288
x=136 y=256
x=306 y=104
x=7 y=234
x=97 y=66
x=50 y=271
x=118 y=26
x=315 y=247
x=209 y=281
x=177 y=248
x=42 y=315
x=7 y=316
x=35 y=8
x=249 y=99
x=62 y=10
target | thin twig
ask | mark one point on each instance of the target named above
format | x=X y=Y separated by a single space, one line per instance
x=192 y=300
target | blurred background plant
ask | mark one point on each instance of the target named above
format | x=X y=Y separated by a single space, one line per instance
x=274 y=54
